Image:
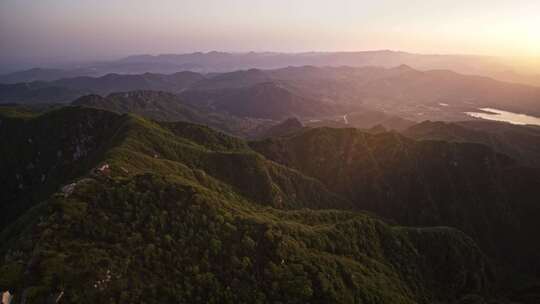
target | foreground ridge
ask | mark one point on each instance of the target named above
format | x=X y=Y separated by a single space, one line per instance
x=175 y=212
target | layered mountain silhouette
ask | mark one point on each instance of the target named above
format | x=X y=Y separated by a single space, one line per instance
x=401 y=91
x=164 y=106
x=118 y=83
x=42 y=74
x=38 y=93
x=67 y=89
x=220 y=62
x=265 y=100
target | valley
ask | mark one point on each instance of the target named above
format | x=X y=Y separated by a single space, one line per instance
x=307 y=92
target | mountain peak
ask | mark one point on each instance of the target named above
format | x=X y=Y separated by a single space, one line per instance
x=404 y=68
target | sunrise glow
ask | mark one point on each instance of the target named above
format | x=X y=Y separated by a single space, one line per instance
x=77 y=29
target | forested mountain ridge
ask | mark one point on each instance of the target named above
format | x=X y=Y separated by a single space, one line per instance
x=520 y=142
x=176 y=212
x=132 y=140
x=163 y=106
x=424 y=183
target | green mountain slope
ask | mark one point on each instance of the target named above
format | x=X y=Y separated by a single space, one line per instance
x=156 y=239
x=425 y=183
x=175 y=212
x=400 y=91
x=37 y=92
x=164 y=106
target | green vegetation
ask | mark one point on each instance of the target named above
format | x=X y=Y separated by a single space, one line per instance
x=425 y=183
x=162 y=106
x=136 y=211
x=519 y=142
x=155 y=239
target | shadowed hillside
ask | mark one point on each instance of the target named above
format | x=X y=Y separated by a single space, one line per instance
x=424 y=183
x=265 y=100
x=520 y=142
x=164 y=106
x=186 y=214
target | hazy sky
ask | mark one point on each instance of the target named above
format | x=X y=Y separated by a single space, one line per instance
x=97 y=29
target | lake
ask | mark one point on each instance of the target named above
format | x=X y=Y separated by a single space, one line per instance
x=500 y=115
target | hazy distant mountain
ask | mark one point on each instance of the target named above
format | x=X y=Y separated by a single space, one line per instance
x=233 y=80
x=219 y=62
x=152 y=104
x=513 y=76
x=401 y=91
x=265 y=100
x=66 y=90
x=410 y=93
x=39 y=74
x=38 y=92
x=118 y=83
x=223 y=62
x=235 y=111
x=435 y=87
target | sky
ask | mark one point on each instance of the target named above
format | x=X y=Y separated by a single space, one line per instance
x=61 y=30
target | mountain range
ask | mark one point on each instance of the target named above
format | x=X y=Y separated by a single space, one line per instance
x=168 y=107
x=103 y=206
x=220 y=62
x=310 y=92
x=301 y=184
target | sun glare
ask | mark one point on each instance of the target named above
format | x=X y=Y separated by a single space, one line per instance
x=529 y=35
